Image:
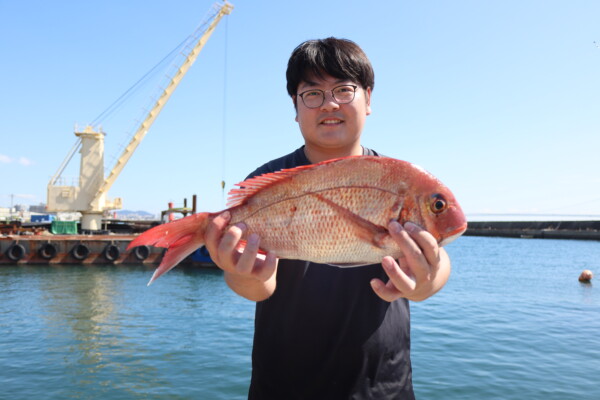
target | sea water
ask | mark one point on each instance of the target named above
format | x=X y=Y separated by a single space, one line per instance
x=513 y=322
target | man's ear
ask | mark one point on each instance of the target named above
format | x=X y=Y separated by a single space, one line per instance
x=294 y=100
x=368 y=100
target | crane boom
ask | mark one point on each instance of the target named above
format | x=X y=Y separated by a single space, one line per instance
x=89 y=196
x=160 y=103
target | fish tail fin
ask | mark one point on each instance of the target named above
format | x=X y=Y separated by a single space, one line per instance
x=174 y=255
x=181 y=238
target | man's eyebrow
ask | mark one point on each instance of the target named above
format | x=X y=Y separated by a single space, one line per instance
x=306 y=83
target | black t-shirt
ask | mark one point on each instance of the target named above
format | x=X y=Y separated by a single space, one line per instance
x=324 y=333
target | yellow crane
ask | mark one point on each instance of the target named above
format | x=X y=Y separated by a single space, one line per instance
x=89 y=197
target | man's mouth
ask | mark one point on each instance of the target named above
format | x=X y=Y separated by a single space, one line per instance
x=331 y=121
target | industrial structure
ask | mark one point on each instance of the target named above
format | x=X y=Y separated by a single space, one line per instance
x=90 y=196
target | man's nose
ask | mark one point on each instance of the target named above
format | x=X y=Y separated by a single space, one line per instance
x=329 y=102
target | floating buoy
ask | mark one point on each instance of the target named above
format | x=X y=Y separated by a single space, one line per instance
x=586 y=276
x=48 y=251
x=16 y=252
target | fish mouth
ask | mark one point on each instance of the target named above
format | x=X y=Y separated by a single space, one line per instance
x=455 y=234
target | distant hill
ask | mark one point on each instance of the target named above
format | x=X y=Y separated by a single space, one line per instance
x=135 y=215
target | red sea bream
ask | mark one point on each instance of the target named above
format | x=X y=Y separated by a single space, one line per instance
x=334 y=212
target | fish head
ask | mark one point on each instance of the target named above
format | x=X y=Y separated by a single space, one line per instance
x=439 y=212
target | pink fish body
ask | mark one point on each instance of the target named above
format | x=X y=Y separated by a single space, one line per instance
x=334 y=212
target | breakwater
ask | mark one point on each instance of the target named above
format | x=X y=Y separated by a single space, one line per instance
x=583 y=230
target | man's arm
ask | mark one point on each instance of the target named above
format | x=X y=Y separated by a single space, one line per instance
x=247 y=273
x=422 y=271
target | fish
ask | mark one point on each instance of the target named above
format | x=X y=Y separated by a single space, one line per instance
x=333 y=212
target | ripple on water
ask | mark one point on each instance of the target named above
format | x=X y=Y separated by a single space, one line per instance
x=512 y=323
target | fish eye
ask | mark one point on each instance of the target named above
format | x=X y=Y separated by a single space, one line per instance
x=438 y=204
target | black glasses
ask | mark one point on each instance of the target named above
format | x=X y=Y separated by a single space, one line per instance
x=314 y=98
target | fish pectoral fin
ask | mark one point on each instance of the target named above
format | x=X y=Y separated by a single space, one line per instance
x=364 y=229
x=380 y=239
x=242 y=246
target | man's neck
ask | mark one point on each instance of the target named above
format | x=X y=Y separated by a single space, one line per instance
x=316 y=155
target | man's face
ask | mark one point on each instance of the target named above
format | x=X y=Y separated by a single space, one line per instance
x=332 y=125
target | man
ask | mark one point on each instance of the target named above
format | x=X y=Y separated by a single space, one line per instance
x=324 y=332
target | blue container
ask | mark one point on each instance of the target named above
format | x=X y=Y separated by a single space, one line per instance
x=42 y=218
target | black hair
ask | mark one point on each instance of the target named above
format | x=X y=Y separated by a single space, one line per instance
x=339 y=58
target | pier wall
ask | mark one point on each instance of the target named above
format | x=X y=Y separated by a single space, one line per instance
x=581 y=230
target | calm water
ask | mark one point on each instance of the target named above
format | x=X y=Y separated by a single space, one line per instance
x=512 y=323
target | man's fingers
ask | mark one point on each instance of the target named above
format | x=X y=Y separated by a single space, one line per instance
x=265 y=269
x=226 y=248
x=387 y=292
x=419 y=248
x=399 y=278
x=214 y=231
x=426 y=242
x=247 y=260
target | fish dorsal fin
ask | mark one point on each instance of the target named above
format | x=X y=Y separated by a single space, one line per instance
x=251 y=186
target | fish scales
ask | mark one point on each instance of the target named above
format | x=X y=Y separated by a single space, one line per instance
x=311 y=228
x=307 y=217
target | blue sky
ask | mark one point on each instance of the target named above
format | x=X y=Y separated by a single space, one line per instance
x=499 y=99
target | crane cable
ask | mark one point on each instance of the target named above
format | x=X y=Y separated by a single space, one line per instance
x=152 y=72
x=224 y=125
x=121 y=99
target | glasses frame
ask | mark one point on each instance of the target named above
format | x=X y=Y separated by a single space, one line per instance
x=301 y=95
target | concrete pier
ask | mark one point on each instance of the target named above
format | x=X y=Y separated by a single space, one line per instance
x=582 y=230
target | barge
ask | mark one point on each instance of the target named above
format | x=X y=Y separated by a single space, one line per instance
x=74 y=249
x=36 y=245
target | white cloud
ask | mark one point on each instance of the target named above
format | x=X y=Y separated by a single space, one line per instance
x=25 y=161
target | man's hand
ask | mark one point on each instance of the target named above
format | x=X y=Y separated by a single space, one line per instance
x=248 y=273
x=421 y=271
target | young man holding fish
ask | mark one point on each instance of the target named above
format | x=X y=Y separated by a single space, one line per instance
x=322 y=331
